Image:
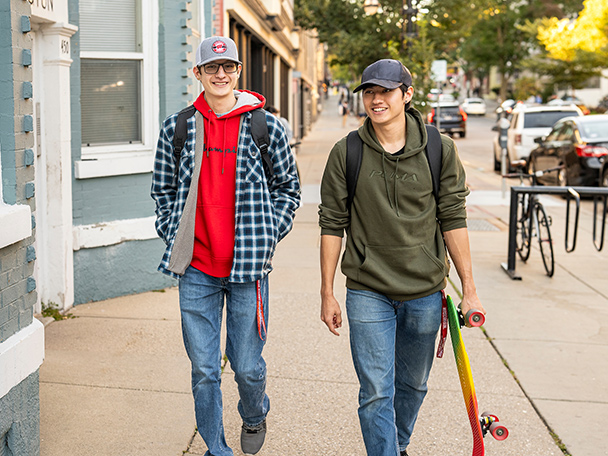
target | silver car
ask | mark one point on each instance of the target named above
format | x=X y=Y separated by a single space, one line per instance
x=528 y=123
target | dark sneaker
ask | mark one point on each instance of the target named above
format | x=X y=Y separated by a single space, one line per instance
x=252 y=437
x=404 y=453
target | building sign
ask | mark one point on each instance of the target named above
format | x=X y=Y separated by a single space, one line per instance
x=47 y=10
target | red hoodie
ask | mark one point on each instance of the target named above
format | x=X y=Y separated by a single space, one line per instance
x=215 y=207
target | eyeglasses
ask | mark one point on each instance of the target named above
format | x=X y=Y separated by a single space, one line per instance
x=213 y=68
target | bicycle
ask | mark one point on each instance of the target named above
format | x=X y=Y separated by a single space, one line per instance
x=532 y=220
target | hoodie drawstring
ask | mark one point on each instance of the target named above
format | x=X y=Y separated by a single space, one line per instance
x=224 y=147
x=388 y=193
x=397 y=193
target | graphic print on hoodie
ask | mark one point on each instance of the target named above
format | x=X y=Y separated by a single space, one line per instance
x=215 y=208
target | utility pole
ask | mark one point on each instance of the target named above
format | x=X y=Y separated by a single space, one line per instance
x=410 y=29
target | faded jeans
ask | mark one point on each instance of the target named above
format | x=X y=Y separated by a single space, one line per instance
x=393 y=346
x=201 y=299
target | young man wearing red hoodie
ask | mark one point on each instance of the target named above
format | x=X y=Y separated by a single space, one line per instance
x=221 y=218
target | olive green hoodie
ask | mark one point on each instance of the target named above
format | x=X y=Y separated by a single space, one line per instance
x=394 y=244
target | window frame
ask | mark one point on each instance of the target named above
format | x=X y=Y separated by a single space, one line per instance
x=130 y=158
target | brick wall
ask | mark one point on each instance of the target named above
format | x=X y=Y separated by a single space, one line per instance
x=17 y=286
x=19 y=403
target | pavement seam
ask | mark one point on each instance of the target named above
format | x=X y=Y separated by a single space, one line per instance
x=582 y=281
x=571 y=401
x=126 y=318
x=548 y=341
x=143 y=390
x=329 y=382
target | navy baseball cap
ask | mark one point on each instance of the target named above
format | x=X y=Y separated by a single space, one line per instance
x=386 y=73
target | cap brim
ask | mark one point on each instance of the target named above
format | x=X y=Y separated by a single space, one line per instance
x=379 y=82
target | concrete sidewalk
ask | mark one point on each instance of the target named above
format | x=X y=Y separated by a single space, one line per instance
x=116 y=380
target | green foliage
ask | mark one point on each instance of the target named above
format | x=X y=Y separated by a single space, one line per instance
x=574 y=73
x=526 y=88
x=475 y=34
x=52 y=310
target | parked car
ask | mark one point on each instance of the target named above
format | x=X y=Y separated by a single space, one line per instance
x=528 y=123
x=433 y=95
x=580 y=145
x=570 y=100
x=452 y=119
x=602 y=106
x=505 y=108
x=474 y=106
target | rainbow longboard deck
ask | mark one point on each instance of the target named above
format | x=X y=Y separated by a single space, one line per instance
x=480 y=424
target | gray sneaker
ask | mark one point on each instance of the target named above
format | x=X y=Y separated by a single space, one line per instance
x=252 y=437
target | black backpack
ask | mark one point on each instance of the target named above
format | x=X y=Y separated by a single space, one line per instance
x=354 y=154
x=259 y=131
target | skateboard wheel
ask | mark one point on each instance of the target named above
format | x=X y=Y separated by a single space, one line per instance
x=475 y=318
x=498 y=431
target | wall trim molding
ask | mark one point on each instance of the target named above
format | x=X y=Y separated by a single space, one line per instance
x=111 y=233
x=21 y=355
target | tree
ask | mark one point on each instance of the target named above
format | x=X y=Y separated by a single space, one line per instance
x=588 y=33
x=574 y=50
x=480 y=34
x=355 y=39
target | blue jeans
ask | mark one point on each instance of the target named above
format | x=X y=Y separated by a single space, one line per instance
x=393 y=346
x=201 y=300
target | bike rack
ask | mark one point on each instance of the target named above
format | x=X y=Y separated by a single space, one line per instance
x=595 y=201
x=570 y=193
x=577 y=197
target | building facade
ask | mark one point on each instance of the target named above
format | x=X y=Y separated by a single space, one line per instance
x=84 y=87
x=21 y=335
x=97 y=101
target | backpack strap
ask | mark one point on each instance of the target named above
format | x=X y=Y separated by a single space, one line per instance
x=354 y=155
x=433 y=153
x=259 y=131
x=181 y=133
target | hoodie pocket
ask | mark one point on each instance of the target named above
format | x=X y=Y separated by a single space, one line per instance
x=399 y=270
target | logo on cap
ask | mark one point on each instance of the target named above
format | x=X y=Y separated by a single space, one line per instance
x=219 y=47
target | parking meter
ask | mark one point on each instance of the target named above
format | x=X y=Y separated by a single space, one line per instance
x=503 y=126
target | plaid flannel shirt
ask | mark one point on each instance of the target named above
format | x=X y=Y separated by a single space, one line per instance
x=264 y=211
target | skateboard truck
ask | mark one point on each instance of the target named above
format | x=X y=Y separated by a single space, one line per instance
x=474 y=317
x=489 y=423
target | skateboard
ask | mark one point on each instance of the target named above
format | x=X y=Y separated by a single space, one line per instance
x=486 y=422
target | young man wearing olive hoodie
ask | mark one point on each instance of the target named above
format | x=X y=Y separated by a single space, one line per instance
x=221 y=218
x=395 y=259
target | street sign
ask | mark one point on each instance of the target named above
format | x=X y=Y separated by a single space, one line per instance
x=439 y=70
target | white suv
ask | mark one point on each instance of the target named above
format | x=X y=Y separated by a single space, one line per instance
x=528 y=123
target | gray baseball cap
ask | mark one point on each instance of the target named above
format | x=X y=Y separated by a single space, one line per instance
x=216 y=48
x=386 y=73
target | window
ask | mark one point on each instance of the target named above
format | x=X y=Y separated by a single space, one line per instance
x=118 y=80
x=554 y=132
x=110 y=102
x=545 y=119
x=110 y=87
x=593 y=82
x=565 y=133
